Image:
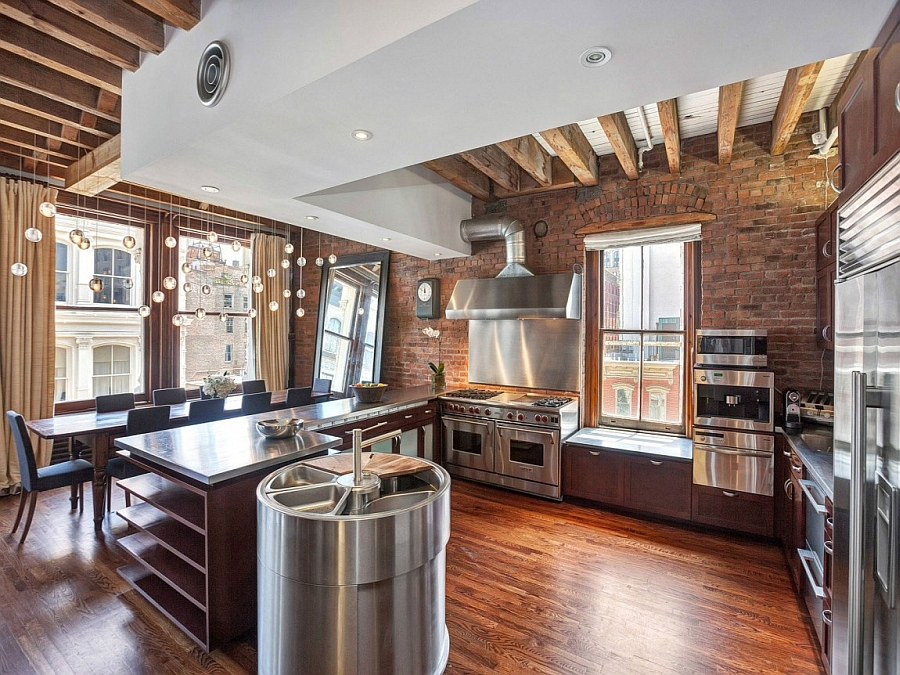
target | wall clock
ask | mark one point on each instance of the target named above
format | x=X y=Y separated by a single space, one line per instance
x=428 y=298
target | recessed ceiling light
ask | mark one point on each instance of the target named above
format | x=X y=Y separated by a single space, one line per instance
x=385 y=239
x=596 y=56
x=312 y=217
x=362 y=135
x=438 y=255
x=209 y=188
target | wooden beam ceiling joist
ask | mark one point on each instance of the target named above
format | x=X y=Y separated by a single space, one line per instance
x=14 y=161
x=687 y=218
x=120 y=19
x=496 y=165
x=32 y=142
x=54 y=131
x=29 y=155
x=530 y=156
x=573 y=148
x=562 y=178
x=33 y=77
x=52 y=53
x=729 y=108
x=61 y=25
x=618 y=132
x=463 y=175
x=668 y=119
x=54 y=111
x=97 y=170
x=798 y=85
x=184 y=14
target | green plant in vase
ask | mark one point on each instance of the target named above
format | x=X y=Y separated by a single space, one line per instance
x=438 y=378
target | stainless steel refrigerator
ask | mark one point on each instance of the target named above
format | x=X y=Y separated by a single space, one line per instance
x=866 y=628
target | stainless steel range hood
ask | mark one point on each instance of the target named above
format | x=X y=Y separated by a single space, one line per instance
x=516 y=293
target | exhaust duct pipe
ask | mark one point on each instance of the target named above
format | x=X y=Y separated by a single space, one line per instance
x=489 y=228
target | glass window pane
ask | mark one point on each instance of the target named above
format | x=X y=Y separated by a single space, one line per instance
x=60 y=382
x=622 y=288
x=102 y=260
x=122 y=267
x=661 y=382
x=221 y=272
x=61 y=283
x=198 y=360
x=663 y=286
x=621 y=374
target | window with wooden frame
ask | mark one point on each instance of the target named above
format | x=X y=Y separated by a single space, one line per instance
x=639 y=338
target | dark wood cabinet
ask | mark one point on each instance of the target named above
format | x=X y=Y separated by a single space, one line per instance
x=741 y=511
x=784 y=524
x=421 y=418
x=825 y=307
x=856 y=121
x=654 y=485
x=886 y=84
x=828 y=581
x=797 y=516
x=826 y=236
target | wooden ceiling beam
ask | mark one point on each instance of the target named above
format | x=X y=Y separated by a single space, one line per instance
x=33 y=77
x=668 y=119
x=184 y=14
x=121 y=19
x=531 y=156
x=798 y=86
x=573 y=148
x=14 y=161
x=54 y=159
x=562 y=178
x=32 y=142
x=496 y=165
x=616 y=128
x=730 y=97
x=61 y=25
x=96 y=171
x=687 y=218
x=52 y=53
x=54 y=131
x=463 y=175
x=29 y=102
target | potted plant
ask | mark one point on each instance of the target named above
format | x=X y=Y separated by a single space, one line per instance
x=438 y=378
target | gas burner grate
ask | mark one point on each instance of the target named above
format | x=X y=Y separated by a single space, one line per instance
x=552 y=402
x=474 y=394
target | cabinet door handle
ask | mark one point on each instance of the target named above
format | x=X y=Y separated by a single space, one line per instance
x=826 y=616
x=897 y=97
x=797 y=469
x=825 y=332
x=831 y=184
x=655 y=462
x=829 y=547
x=407 y=417
x=789 y=484
x=728 y=493
x=595 y=453
x=826 y=249
x=786 y=453
x=808 y=486
x=808 y=559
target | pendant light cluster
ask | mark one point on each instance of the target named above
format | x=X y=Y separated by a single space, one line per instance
x=33 y=234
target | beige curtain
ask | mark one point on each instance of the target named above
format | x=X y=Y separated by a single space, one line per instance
x=27 y=317
x=270 y=328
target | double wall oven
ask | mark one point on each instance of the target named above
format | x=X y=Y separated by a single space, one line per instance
x=734 y=412
x=507 y=438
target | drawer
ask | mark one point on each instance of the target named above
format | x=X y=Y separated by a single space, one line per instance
x=660 y=486
x=593 y=474
x=741 y=511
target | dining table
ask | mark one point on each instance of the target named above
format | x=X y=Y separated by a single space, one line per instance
x=98 y=430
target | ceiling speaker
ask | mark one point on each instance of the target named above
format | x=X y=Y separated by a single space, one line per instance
x=212 y=73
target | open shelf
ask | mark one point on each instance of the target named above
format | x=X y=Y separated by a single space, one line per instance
x=171 y=603
x=170 y=568
x=182 y=504
x=177 y=537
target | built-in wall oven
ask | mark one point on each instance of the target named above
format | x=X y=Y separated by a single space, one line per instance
x=730 y=347
x=734 y=399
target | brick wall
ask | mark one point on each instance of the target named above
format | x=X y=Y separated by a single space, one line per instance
x=758 y=256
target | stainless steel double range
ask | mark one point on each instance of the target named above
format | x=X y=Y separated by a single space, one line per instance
x=733 y=411
x=509 y=439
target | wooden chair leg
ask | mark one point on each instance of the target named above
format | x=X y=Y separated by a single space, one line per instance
x=73 y=498
x=109 y=482
x=22 y=497
x=127 y=498
x=81 y=497
x=31 y=502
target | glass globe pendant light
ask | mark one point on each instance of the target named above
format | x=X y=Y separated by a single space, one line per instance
x=47 y=209
x=271 y=272
x=301 y=293
x=76 y=236
x=300 y=312
x=212 y=237
x=252 y=313
x=258 y=288
x=171 y=242
x=128 y=284
x=178 y=320
x=158 y=296
x=289 y=248
x=129 y=242
x=187 y=287
x=223 y=317
x=170 y=283
x=285 y=263
x=301 y=261
x=273 y=306
x=19 y=269
x=144 y=311
x=286 y=292
x=84 y=244
x=235 y=246
x=96 y=284
x=205 y=289
x=256 y=279
x=33 y=235
x=244 y=278
x=185 y=267
x=200 y=313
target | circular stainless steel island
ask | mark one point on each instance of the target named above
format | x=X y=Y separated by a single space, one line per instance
x=351 y=567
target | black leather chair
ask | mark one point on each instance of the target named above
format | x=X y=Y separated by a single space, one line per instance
x=298 y=396
x=321 y=389
x=70 y=473
x=256 y=403
x=172 y=396
x=140 y=421
x=206 y=410
x=114 y=402
x=253 y=386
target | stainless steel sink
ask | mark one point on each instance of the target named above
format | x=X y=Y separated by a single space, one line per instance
x=817 y=441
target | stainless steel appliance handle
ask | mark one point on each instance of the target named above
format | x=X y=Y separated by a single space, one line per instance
x=808 y=486
x=734 y=451
x=856 y=590
x=808 y=559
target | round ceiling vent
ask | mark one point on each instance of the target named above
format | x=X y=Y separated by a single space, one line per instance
x=212 y=73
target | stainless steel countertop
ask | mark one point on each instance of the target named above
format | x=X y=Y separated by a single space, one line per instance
x=218 y=451
x=637 y=442
x=819 y=465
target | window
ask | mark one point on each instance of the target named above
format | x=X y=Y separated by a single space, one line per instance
x=641 y=291
x=228 y=299
x=228 y=353
x=62 y=272
x=229 y=324
x=113 y=268
x=112 y=370
x=245 y=302
x=60 y=382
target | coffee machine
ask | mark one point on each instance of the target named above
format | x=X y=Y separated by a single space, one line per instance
x=792 y=411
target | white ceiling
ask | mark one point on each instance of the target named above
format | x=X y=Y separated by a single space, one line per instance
x=432 y=79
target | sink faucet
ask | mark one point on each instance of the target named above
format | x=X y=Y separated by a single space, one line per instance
x=359 y=444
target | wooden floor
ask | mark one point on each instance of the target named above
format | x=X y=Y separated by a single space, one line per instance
x=532 y=587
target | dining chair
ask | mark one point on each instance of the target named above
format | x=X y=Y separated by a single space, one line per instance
x=114 y=402
x=321 y=389
x=298 y=396
x=69 y=473
x=172 y=396
x=140 y=421
x=256 y=403
x=253 y=386
x=206 y=410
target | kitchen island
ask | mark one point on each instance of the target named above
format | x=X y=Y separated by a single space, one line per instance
x=194 y=548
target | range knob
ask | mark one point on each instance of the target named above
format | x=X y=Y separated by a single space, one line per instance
x=537 y=418
x=520 y=417
x=472 y=409
x=487 y=412
x=509 y=415
x=477 y=411
x=543 y=418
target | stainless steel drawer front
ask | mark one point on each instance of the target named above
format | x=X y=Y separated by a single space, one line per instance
x=731 y=469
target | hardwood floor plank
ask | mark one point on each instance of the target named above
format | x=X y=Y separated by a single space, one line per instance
x=533 y=587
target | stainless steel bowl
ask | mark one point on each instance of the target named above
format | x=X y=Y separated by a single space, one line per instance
x=279 y=428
